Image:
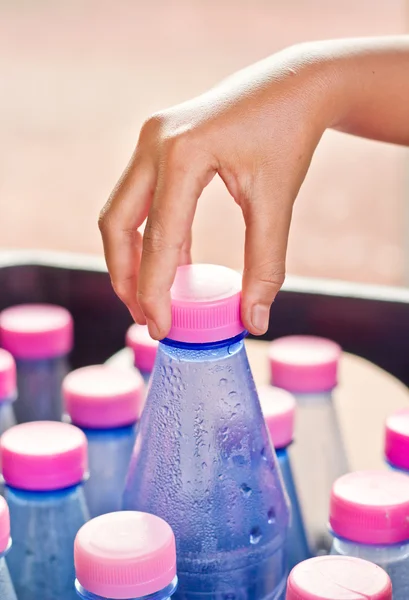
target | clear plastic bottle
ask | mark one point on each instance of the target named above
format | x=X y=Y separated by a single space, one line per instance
x=203 y=459
x=125 y=555
x=279 y=410
x=8 y=390
x=6 y=586
x=43 y=466
x=39 y=336
x=144 y=349
x=307 y=367
x=369 y=518
x=397 y=441
x=338 y=578
x=105 y=403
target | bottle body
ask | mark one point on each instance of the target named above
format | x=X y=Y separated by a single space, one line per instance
x=297 y=545
x=7 y=591
x=43 y=529
x=39 y=389
x=393 y=559
x=318 y=459
x=7 y=416
x=109 y=453
x=204 y=463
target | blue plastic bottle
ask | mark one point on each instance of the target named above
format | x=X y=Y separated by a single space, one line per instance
x=43 y=466
x=203 y=459
x=144 y=349
x=125 y=555
x=6 y=586
x=279 y=410
x=39 y=336
x=105 y=403
x=8 y=390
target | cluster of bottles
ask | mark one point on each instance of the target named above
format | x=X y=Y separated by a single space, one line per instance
x=107 y=480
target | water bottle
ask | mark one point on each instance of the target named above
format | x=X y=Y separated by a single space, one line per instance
x=307 y=367
x=278 y=408
x=144 y=349
x=39 y=336
x=43 y=467
x=125 y=555
x=397 y=440
x=105 y=403
x=6 y=586
x=8 y=390
x=338 y=578
x=369 y=518
x=203 y=459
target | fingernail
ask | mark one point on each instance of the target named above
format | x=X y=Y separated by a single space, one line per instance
x=260 y=315
x=153 y=330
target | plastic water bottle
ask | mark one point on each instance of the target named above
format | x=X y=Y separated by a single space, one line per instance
x=397 y=440
x=369 y=518
x=8 y=390
x=144 y=349
x=125 y=555
x=338 y=578
x=307 y=367
x=43 y=466
x=6 y=586
x=203 y=459
x=39 y=336
x=105 y=403
x=278 y=408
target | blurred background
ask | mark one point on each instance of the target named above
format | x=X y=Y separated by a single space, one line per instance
x=78 y=77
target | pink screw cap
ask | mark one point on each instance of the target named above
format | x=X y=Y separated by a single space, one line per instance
x=8 y=383
x=4 y=525
x=143 y=346
x=205 y=304
x=397 y=439
x=371 y=507
x=125 y=555
x=36 y=331
x=304 y=364
x=43 y=456
x=338 y=578
x=278 y=408
x=101 y=397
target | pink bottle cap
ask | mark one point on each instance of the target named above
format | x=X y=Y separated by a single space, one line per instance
x=43 y=456
x=205 y=304
x=304 y=364
x=397 y=439
x=8 y=383
x=338 y=578
x=278 y=408
x=4 y=525
x=143 y=346
x=102 y=397
x=371 y=507
x=125 y=555
x=36 y=331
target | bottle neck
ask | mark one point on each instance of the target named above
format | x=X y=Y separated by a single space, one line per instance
x=205 y=346
x=163 y=594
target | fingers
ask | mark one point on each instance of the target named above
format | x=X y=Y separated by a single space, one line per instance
x=120 y=218
x=182 y=177
x=267 y=229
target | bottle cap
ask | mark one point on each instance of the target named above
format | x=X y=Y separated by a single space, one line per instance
x=143 y=346
x=8 y=383
x=4 y=525
x=278 y=408
x=371 y=507
x=205 y=304
x=103 y=397
x=304 y=364
x=36 y=331
x=338 y=578
x=397 y=439
x=43 y=456
x=125 y=555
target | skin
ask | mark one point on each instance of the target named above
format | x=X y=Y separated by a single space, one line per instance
x=258 y=131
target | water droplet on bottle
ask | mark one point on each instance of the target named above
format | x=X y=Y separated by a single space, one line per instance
x=222 y=381
x=221 y=477
x=263 y=453
x=255 y=535
x=246 y=490
x=204 y=465
x=271 y=516
x=166 y=409
x=232 y=394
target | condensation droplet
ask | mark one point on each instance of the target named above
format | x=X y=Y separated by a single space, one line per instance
x=204 y=465
x=263 y=454
x=232 y=394
x=271 y=516
x=222 y=381
x=246 y=490
x=166 y=409
x=255 y=535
